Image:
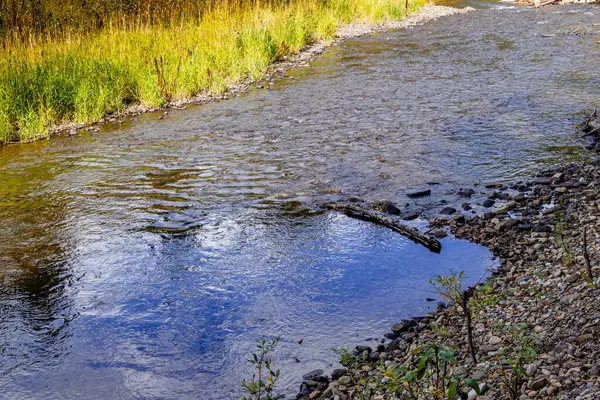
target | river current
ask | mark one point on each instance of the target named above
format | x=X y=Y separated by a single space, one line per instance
x=144 y=261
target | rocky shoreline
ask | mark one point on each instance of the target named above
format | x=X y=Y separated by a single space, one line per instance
x=545 y=234
x=275 y=72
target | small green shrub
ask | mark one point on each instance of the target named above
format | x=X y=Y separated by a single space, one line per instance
x=511 y=361
x=451 y=289
x=264 y=380
x=430 y=379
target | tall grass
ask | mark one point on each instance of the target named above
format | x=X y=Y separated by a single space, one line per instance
x=48 y=78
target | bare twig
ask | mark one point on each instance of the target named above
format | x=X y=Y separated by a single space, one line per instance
x=586 y=256
x=467 y=311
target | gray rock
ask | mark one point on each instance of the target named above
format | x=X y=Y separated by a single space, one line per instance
x=354 y=199
x=388 y=207
x=524 y=227
x=362 y=349
x=541 y=228
x=538 y=384
x=542 y=181
x=312 y=374
x=460 y=371
x=495 y=340
x=409 y=337
x=466 y=192
x=419 y=193
x=409 y=216
x=494 y=185
x=304 y=391
x=448 y=211
x=338 y=373
x=440 y=234
x=508 y=223
x=403 y=326
x=520 y=197
x=488 y=203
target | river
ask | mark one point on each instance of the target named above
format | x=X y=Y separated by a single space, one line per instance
x=145 y=260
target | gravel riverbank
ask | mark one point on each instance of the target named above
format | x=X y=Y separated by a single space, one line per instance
x=540 y=293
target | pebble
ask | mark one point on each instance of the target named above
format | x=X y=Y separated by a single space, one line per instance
x=494 y=340
x=419 y=193
x=448 y=211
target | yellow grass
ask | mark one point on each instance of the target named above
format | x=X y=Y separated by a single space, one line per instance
x=84 y=76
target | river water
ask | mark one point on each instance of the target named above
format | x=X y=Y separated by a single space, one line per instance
x=145 y=260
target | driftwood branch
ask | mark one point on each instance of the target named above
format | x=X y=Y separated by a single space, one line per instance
x=413 y=234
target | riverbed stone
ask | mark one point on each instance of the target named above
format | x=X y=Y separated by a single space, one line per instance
x=418 y=193
x=409 y=216
x=403 y=326
x=361 y=349
x=338 y=373
x=448 y=211
x=465 y=192
x=494 y=340
x=487 y=203
x=538 y=383
x=389 y=207
x=440 y=234
x=313 y=374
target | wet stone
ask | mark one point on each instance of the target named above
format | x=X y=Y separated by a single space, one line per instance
x=466 y=192
x=440 y=234
x=543 y=181
x=338 y=373
x=362 y=349
x=419 y=193
x=403 y=326
x=488 y=203
x=313 y=374
x=448 y=211
x=388 y=207
x=410 y=216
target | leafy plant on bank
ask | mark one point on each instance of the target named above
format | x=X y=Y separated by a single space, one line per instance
x=451 y=289
x=510 y=369
x=356 y=363
x=349 y=360
x=264 y=379
x=561 y=230
x=484 y=296
x=430 y=379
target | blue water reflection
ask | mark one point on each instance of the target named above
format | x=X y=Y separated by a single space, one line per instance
x=164 y=316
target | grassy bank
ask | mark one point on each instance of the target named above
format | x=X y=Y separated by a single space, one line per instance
x=81 y=76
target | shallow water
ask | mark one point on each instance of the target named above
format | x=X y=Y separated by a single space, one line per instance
x=144 y=261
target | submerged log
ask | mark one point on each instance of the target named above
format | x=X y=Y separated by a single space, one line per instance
x=352 y=210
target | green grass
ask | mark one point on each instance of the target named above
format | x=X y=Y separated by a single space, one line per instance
x=83 y=77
